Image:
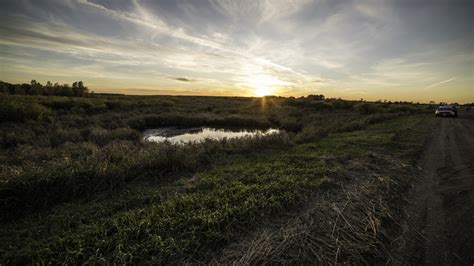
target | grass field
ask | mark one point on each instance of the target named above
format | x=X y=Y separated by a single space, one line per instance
x=78 y=184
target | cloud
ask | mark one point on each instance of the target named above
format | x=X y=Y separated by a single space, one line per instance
x=146 y=19
x=184 y=79
x=300 y=46
x=262 y=11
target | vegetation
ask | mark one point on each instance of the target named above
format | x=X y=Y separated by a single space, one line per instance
x=78 y=184
x=35 y=88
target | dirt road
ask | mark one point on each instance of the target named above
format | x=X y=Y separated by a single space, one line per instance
x=442 y=217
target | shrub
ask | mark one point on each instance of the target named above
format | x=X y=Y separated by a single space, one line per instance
x=13 y=138
x=291 y=125
x=321 y=105
x=124 y=134
x=76 y=105
x=402 y=108
x=98 y=135
x=366 y=108
x=167 y=103
x=61 y=136
x=20 y=111
x=341 y=104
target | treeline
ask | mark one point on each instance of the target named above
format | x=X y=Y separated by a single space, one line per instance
x=77 y=89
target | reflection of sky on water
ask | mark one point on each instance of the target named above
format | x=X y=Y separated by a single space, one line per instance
x=177 y=136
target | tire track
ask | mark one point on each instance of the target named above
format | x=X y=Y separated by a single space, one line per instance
x=443 y=203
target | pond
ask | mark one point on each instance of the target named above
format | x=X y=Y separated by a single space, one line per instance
x=199 y=134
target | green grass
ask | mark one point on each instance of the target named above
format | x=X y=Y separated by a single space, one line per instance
x=56 y=150
x=199 y=216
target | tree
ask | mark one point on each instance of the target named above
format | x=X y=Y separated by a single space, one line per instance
x=319 y=97
x=35 y=88
x=79 y=89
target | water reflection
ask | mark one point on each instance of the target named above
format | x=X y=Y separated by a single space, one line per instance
x=187 y=135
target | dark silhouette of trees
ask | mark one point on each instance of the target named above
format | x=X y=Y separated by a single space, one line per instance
x=78 y=88
x=319 y=97
x=35 y=88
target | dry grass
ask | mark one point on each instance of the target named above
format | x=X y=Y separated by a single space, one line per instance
x=357 y=223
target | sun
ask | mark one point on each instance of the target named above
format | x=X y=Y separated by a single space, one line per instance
x=262 y=91
x=263 y=85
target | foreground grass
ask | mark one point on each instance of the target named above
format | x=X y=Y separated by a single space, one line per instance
x=202 y=215
x=55 y=150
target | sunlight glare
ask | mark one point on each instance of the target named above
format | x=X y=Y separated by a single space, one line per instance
x=262 y=91
x=264 y=85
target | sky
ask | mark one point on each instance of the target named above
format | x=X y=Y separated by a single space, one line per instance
x=413 y=50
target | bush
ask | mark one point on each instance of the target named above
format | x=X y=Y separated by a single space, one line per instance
x=291 y=125
x=366 y=108
x=61 y=136
x=20 y=111
x=119 y=105
x=321 y=105
x=402 y=108
x=341 y=104
x=76 y=105
x=167 y=103
x=124 y=134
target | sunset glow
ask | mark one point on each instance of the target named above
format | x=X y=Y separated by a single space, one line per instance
x=262 y=91
x=394 y=50
x=265 y=85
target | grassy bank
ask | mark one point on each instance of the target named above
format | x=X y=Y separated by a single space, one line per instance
x=193 y=219
x=62 y=149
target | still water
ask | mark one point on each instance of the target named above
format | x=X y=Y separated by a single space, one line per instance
x=187 y=135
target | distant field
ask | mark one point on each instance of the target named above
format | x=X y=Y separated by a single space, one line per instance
x=78 y=183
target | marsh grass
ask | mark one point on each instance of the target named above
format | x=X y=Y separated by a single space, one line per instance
x=65 y=148
x=78 y=184
x=215 y=207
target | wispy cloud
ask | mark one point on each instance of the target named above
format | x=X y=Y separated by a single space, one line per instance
x=262 y=11
x=297 y=47
x=144 y=18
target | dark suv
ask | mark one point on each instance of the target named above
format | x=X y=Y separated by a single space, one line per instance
x=448 y=111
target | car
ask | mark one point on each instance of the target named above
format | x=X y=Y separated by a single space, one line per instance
x=447 y=111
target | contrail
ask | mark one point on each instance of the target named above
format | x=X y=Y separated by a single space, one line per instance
x=436 y=84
